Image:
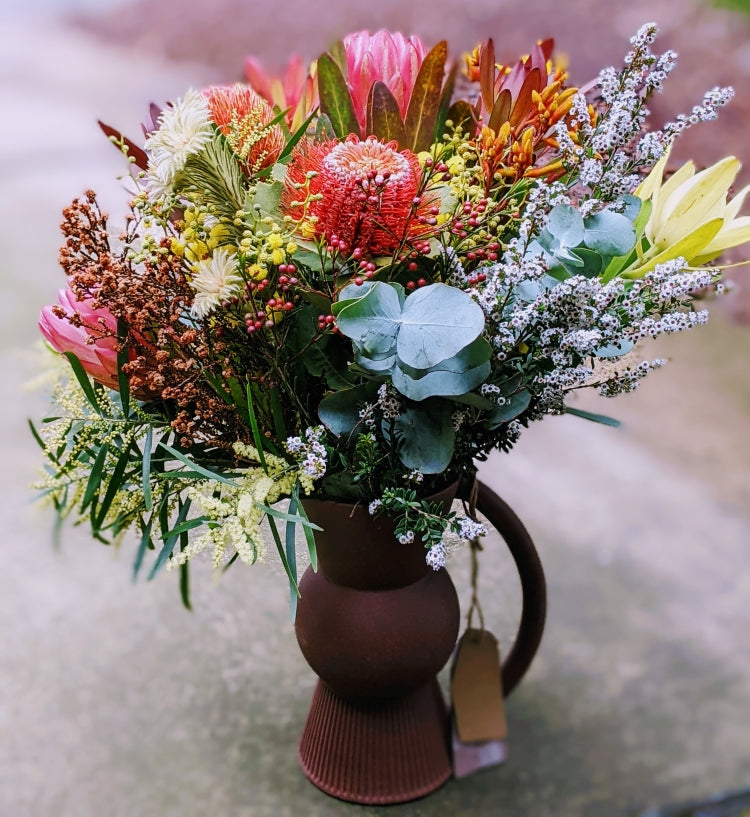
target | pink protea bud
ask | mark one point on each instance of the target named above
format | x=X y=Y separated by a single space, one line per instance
x=295 y=92
x=385 y=57
x=90 y=333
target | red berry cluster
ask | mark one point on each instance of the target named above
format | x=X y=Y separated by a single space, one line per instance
x=286 y=283
x=325 y=322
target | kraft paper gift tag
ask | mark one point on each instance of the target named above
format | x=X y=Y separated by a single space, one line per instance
x=478 y=722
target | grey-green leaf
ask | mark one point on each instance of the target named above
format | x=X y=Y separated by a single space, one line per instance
x=440 y=383
x=425 y=438
x=566 y=225
x=515 y=405
x=609 y=233
x=372 y=320
x=339 y=410
x=438 y=322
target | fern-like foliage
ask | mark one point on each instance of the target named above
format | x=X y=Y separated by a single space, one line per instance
x=214 y=177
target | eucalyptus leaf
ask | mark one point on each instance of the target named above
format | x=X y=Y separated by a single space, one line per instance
x=339 y=410
x=632 y=207
x=425 y=437
x=592 y=262
x=516 y=404
x=377 y=366
x=267 y=197
x=608 y=233
x=565 y=225
x=614 y=349
x=372 y=320
x=438 y=322
x=440 y=383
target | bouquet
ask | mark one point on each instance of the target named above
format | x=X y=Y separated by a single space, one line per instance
x=358 y=280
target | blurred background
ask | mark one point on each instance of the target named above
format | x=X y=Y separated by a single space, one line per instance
x=115 y=701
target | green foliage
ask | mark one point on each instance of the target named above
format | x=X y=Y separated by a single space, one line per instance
x=335 y=101
x=414 y=516
x=214 y=177
x=572 y=245
x=425 y=437
x=427 y=101
x=434 y=332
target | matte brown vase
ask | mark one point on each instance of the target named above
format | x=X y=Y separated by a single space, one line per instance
x=377 y=625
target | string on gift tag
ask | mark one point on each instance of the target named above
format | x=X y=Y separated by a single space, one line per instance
x=478 y=718
x=475 y=547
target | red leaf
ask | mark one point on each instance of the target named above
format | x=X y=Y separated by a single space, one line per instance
x=533 y=82
x=140 y=156
x=422 y=113
x=487 y=74
x=501 y=111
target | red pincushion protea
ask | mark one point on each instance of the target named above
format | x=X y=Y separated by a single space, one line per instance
x=244 y=117
x=365 y=194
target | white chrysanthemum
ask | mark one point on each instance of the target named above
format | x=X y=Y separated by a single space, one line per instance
x=215 y=279
x=184 y=130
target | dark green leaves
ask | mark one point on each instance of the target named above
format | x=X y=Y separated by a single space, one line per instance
x=425 y=437
x=383 y=115
x=335 y=100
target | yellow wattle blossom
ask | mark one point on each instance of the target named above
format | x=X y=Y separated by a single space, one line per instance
x=690 y=215
x=201 y=234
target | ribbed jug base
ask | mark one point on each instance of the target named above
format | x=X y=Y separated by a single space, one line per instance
x=376 y=753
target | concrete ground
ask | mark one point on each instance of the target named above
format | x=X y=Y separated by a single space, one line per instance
x=117 y=703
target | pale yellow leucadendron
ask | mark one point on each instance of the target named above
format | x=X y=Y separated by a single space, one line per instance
x=690 y=215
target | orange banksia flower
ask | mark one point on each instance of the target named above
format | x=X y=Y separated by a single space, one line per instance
x=363 y=194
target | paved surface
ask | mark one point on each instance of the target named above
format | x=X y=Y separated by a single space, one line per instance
x=116 y=703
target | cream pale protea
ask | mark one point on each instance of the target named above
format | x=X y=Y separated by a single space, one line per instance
x=245 y=118
x=691 y=216
x=392 y=59
x=363 y=195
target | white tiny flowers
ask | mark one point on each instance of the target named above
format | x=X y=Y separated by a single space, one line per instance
x=435 y=557
x=185 y=129
x=310 y=452
x=469 y=529
x=407 y=537
x=215 y=279
x=388 y=401
x=374 y=505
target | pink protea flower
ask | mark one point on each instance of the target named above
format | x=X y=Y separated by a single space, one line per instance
x=389 y=58
x=295 y=92
x=244 y=117
x=363 y=197
x=89 y=332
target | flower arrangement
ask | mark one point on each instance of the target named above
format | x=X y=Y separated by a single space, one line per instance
x=358 y=281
